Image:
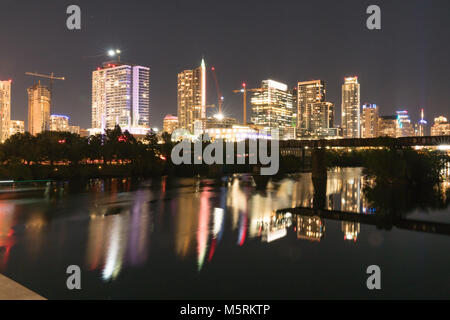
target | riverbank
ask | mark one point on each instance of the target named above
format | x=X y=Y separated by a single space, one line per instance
x=11 y=290
x=389 y=166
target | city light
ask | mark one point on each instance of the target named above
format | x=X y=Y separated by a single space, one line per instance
x=444 y=147
x=113 y=53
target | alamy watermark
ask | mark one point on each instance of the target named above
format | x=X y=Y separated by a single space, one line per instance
x=374 y=20
x=74 y=280
x=73 y=22
x=374 y=281
x=213 y=153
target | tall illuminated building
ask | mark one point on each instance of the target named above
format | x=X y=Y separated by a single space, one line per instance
x=321 y=121
x=404 y=125
x=315 y=114
x=351 y=108
x=272 y=107
x=420 y=129
x=5 y=109
x=121 y=96
x=191 y=97
x=306 y=94
x=369 y=121
x=39 y=102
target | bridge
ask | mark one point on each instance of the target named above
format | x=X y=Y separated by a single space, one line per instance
x=316 y=148
x=385 y=222
x=319 y=173
x=366 y=142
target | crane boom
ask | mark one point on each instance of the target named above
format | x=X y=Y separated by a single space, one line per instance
x=244 y=90
x=51 y=77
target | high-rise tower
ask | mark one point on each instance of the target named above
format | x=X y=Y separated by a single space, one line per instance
x=315 y=115
x=308 y=93
x=121 y=96
x=351 y=108
x=39 y=102
x=191 y=97
x=421 y=127
x=5 y=109
x=369 y=121
x=272 y=107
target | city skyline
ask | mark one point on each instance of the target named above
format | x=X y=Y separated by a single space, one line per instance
x=387 y=79
x=121 y=96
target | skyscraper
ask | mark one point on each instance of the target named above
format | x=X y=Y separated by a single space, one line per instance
x=272 y=107
x=307 y=94
x=351 y=108
x=315 y=115
x=38 y=108
x=404 y=125
x=121 y=96
x=420 y=129
x=5 y=109
x=191 y=97
x=369 y=121
x=321 y=121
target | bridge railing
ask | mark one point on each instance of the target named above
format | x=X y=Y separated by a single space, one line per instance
x=368 y=142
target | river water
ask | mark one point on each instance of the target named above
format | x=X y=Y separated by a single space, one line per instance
x=200 y=239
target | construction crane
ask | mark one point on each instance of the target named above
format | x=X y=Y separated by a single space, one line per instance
x=219 y=93
x=51 y=77
x=244 y=90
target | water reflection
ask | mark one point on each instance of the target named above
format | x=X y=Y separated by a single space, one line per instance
x=342 y=190
x=310 y=228
x=121 y=219
x=118 y=230
x=7 y=238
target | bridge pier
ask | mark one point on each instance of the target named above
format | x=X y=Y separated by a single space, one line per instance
x=318 y=164
x=320 y=193
x=303 y=157
x=260 y=181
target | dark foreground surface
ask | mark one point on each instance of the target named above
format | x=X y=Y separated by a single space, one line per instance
x=194 y=239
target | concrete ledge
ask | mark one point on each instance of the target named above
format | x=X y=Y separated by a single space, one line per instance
x=11 y=290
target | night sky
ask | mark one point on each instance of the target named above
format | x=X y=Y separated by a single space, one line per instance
x=406 y=65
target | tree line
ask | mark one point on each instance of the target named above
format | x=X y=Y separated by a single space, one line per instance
x=113 y=148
